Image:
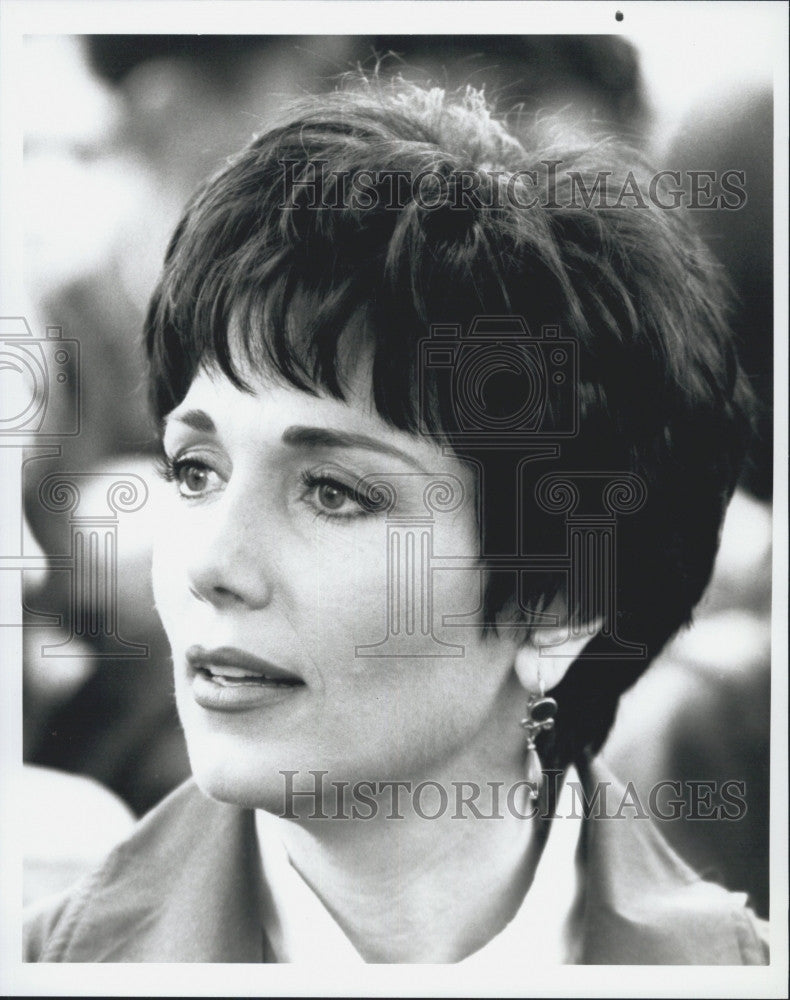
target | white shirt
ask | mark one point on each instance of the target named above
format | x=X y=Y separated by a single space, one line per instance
x=300 y=929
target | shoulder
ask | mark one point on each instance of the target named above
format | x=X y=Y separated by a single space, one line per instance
x=69 y=824
x=42 y=919
x=645 y=905
x=139 y=860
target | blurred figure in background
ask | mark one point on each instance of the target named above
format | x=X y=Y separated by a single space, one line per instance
x=107 y=174
x=69 y=823
x=703 y=708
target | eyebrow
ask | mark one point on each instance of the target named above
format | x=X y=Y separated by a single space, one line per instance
x=304 y=437
x=198 y=420
x=323 y=437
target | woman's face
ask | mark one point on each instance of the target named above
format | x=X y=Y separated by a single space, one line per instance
x=270 y=573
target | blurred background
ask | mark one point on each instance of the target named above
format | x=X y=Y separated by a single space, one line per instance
x=118 y=132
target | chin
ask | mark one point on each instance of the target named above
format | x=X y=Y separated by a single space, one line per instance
x=240 y=772
x=248 y=787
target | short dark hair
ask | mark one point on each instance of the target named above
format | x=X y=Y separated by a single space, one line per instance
x=659 y=392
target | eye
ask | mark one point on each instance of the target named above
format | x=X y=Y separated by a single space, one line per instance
x=331 y=497
x=193 y=477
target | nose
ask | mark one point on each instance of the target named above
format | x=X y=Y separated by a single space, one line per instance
x=231 y=562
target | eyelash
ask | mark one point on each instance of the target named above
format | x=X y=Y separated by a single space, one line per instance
x=170 y=470
x=312 y=481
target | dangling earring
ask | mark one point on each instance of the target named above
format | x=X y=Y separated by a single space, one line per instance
x=540 y=716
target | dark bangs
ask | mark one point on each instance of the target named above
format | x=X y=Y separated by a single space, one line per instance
x=280 y=254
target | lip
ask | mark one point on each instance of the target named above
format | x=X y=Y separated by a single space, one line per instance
x=269 y=684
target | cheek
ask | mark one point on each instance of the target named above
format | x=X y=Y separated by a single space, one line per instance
x=374 y=594
x=363 y=588
x=342 y=587
x=362 y=593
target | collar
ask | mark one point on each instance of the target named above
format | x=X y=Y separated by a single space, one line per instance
x=187 y=887
x=300 y=929
x=644 y=905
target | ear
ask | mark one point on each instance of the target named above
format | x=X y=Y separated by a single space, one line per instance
x=547 y=655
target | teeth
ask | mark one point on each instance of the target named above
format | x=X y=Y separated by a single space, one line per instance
x=235 y=676
x=232 y=672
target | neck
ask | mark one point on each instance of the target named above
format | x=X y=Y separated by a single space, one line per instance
x=415 y=889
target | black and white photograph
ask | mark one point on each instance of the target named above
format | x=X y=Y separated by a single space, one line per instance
x=393 y=430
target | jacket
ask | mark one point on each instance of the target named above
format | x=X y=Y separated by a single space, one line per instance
x=187 y=886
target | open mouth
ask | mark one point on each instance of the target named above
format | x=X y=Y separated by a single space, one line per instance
x=238 y=677
x=228 y=667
